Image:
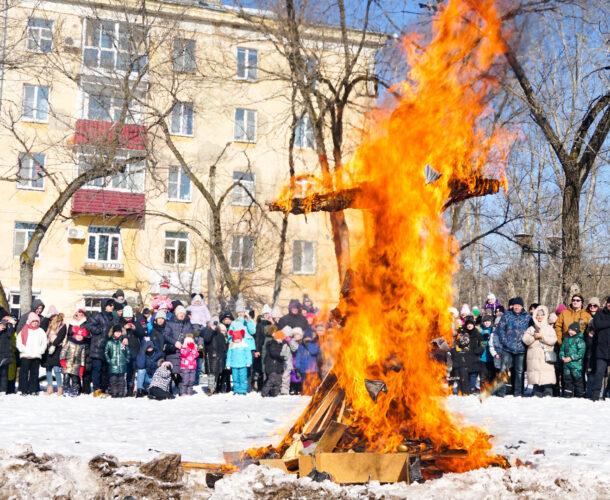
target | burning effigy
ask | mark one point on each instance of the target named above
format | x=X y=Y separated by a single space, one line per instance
x=385 y=396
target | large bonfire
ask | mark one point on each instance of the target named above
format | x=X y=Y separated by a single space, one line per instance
x=401 y=285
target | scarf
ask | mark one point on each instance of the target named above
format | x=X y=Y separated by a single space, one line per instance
x=25 y=332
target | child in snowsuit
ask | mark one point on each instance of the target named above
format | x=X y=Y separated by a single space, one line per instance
x=291 y=344
x=307 y=364
x=188 y=365
x=117 y=355
x=239 y=359
x=146 y=364
x=274 y=365
x=72 y=359
x=159 y=385
x=572 y=352
x=460 y=357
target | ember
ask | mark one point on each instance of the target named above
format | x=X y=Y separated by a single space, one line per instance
x=432 y=150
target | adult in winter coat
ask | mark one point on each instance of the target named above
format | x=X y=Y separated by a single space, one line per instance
x=294 y=318
x=73 y=358
x=575 y=312
x=98 y=326
x=118 y=356
x=601 y=349
x=216 y=347
x=174 y=334
x=56 y=333
x=135 y=334
x=37 y=308
x=540 y=338
x=157 y=331
x=147 y=363
x=510 y=332
x=31 y=344
x=263 y=321
x=7 y=334
x=160 y=384
x=274 y=365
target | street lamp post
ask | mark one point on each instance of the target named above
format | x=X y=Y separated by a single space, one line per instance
x=525 y=242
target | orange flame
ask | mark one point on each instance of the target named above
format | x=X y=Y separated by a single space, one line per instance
x=402 y=285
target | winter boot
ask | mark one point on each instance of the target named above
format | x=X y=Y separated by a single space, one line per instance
x=130 y=391
x=50 y=389
x=60 y=391
x=73 y=392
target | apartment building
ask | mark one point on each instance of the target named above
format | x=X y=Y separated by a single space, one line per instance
x=146 y=94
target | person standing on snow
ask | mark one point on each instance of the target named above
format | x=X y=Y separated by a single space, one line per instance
x=540 y=339
x=294 y=318
x=601 y=350
x=31 y=344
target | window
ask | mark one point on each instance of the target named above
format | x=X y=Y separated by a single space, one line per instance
x=310 y=75
x=178 y=185
x=303 y=257
x=245 y=125
x=94 y=304
x=15 y=302
x=240 y=194
x=242 y=252
x=107 y=108
x=30 y=171
x=22 y=236
x=184 y=55
x=176 y=248
x=104 y=244
x=39 y=36
x=247 y=64
x=182 y=119
x=114 y=45
x=303 y=134
x=132 y=179
x=35 y=103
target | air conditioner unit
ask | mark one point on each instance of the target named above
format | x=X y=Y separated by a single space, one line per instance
x=76 y=233
x=71 y=43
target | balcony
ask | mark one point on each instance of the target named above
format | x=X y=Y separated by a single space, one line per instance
x=93 y=265
x=99 y=133
x=100 y=201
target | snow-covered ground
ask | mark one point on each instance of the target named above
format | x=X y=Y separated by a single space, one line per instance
x=566 y=441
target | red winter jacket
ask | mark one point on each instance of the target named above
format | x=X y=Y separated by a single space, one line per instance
x=188 y=357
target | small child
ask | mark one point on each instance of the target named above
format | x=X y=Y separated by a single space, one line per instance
x=188 y=365
x=274 y=365
x=159 y=385
x=239 y=359
x=307 y=364
x=146 y=363
x=291 y=344
x=117 y=356
x=460 y=357
x=572 y=352
x=72 y=359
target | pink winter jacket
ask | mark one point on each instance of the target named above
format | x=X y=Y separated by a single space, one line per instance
x=188 y=357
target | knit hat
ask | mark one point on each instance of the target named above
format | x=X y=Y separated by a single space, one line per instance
x=469 y=321
x=465 y=310
x=279 y=335
x=266 y=309
x=179 y=309
x=552 y=319
x=118 y=293
x=491 y=296
x=240 y=307
x=197 y=297
x=276 y=312
x=310 y=315
x=52 y=311
x=80 y=306
x=485 y=318
x=454 y=311
x=575 y=326
x=297 y=333
x=560 y=309
x=594 y=301
x=32 y=317
x=511 y=302
x=294 y=304
x=161 y=314
x=127 y=312
x=475 y=311
x=116 y=328
x=287 y=330
x=518 y=301
x=238 y=334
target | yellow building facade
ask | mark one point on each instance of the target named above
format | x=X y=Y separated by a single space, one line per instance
x=190 y=84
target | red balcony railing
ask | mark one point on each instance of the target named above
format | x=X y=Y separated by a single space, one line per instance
x=99 y=133
x=101 y=201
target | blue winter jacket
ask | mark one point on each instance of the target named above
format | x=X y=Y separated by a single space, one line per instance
x=239 y=355
x=307 y=358
x=148 y=363
x=510 y=331
x=248 y=326
x=485 y=334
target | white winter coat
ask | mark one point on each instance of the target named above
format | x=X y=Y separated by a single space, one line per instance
x=36 y=344
x=539 y=372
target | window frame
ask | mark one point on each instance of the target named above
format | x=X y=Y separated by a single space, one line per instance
x=245 y=200
x=35 y=108
x=111 y=233
x=244 y=70
x=241 y=238
x=183 y=59
x=35 y=39
x=302 y=270
x=112 y=183
x=182 y=106
x=112 y=108
x=28 y=183
x=181 y=174
x=117 y=36
x=27 y=229
x=15 y=306
x=177 y=237
x=95 y=308
x=246 y=113
x=300 y=134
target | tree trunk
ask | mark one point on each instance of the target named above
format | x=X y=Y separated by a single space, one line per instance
x=4 y=300
x=26 y=277
x=341 y=241
x=570 y=228
x=277 y=280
